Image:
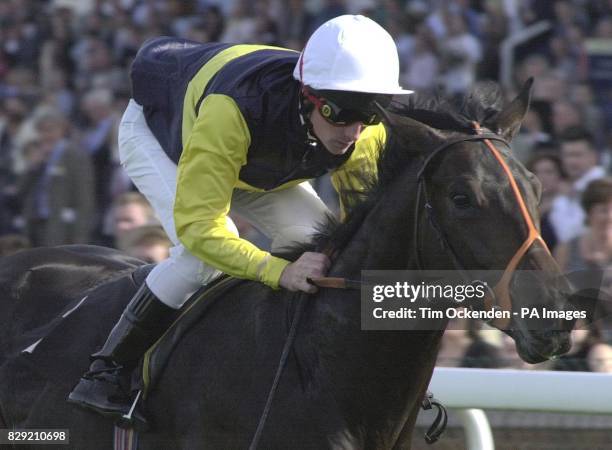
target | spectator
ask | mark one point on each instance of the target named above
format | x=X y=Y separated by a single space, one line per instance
x=577 y=45
x=566 y=15
x=266 y=30
x=575 y=359
x=460 y=53
x=565 y=115
x=12 y=114
x=329 y=10
x=496 y=23
x=603 y=29
x=581 y=95
x=546 y=165
x=196 y=32
x=563 y=60
x=20 y=41
x=130 y=210
x=552 y=87
x=422 y=67
x=589 y=352
x=55 y=47
x=57 y=94
x=57 y=187
x=534 y=66
x=579 y=159
x=22 y=81
x=95 y=66
x=295 y=23
x=214 y=23
x=126 y=42
x=241 y=26
x=592 y=249
x=13 y=243
x=98 y=141
x=530 y=137
x=150 y=243
x=485 y=349
x=598 y=9
x=455 y=342
x=599 y=358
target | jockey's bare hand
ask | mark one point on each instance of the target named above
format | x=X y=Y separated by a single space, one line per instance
x=309 y=265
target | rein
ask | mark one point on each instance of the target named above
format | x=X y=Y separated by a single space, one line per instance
x=335 y=283
x=301 y=302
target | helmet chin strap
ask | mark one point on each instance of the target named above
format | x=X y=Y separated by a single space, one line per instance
x=305 y=108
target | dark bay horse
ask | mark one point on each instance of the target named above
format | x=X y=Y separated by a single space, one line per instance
x=342 y=388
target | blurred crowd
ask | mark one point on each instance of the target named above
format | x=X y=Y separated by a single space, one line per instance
x=64 y=84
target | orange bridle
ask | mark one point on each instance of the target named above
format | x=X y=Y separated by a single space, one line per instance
x=502 y=288
x=499 y=296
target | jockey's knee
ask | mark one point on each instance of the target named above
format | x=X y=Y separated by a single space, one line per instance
x=175 y=279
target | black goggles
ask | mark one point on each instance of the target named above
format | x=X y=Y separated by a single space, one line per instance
x=336 y=115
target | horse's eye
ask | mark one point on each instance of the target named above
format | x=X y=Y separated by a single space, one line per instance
x=461 y=201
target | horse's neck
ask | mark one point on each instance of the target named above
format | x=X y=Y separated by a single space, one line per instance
x=381 y=373
x=384 y=240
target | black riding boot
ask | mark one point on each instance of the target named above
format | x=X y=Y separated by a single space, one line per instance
x=105 y=388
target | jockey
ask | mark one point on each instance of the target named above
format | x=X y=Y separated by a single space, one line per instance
x=217 y=125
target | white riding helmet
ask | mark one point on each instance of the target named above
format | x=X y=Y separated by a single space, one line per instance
x=350 y=53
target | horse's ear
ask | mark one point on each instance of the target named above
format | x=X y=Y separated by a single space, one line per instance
x=508 y=121
x=420 y=135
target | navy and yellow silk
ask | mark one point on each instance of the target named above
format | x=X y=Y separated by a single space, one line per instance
x=229 y=116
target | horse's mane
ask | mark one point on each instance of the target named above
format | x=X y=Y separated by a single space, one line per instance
x=455 y=113
x=448 y=113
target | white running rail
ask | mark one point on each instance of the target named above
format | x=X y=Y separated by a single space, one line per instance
x=470 y=390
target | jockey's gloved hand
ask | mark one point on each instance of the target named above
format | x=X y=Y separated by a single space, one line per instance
x=309 y=265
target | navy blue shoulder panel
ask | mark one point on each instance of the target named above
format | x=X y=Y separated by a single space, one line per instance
x=262 y=85
x=160 y=73
x=254 y=73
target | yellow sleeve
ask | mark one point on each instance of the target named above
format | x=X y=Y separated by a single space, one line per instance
x=207 y=173
x=352 y=178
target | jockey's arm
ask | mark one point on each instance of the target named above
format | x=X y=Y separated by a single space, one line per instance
x=351 y=180
x=208 y=171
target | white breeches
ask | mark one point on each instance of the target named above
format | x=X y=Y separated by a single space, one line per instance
x=285 y=216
